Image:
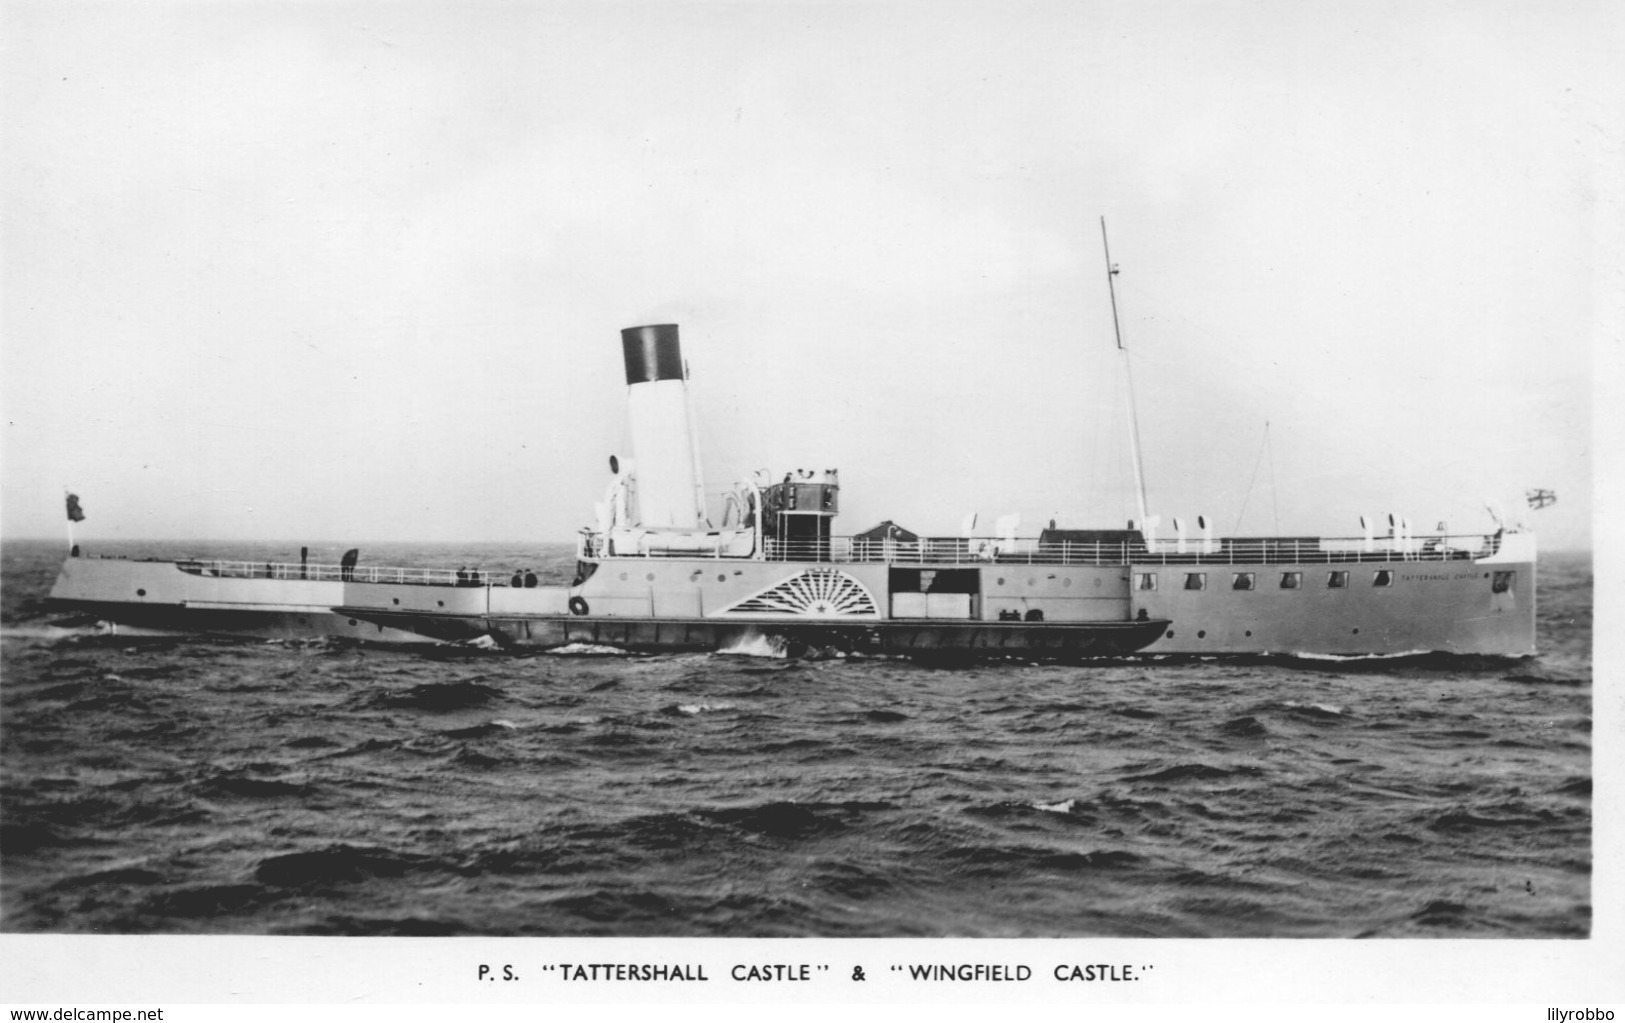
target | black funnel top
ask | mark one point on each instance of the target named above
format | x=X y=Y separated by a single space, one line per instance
x=652 y=353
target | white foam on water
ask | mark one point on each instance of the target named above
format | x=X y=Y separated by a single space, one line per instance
x=1062 y=807
x=41 y=632
x=755 y=644
x=500 y=723
x=1358 y=657
x=588 y=650
x=1325 y=707
x=700 y=708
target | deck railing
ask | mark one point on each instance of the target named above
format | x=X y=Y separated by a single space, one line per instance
x=344 y=573
x=932 y=551
x=982 y=550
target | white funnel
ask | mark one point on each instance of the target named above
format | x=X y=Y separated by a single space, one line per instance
x=667 y=477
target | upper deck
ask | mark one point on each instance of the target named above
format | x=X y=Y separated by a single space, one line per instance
x=987 y=550
x=926 y=551
x=314 y=572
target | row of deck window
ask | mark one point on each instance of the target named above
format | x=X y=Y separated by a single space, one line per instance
x=1335 y=580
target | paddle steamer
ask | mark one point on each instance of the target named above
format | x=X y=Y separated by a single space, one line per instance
x=654 y=574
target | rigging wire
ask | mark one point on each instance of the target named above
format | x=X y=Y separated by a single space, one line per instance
x=1275 y=494
x=1244 y=497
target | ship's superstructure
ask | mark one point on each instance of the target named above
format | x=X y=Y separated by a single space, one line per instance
x=654 y=574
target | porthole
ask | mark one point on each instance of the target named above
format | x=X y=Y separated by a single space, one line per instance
x=1170 y=633
x=1356 y=632
x=623 y=577
x=650 y=577
x=1201 y=634
x=397 y=600
x=352 y=621
x=1067 y=581
x=721 y=577
x=441 y=603
x=1001 y=580
x=141 y=593
x=1249 y=632
x=1032 y=582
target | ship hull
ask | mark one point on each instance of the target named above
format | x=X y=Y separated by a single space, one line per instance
x=634 y=615
x=248 y=622
x=1478 y=605
x=1430 y=608
x=163 y=597
x=1361 y=607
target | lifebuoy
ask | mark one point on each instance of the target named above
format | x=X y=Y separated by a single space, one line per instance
x=578 y=606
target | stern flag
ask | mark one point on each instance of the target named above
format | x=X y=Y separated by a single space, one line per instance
x=1540 y=498
x=74 y=512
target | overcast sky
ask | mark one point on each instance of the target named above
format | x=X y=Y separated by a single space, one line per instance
x=351 y=272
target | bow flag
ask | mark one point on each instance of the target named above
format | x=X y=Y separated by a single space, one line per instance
x=1540 y=498
x=75 y=514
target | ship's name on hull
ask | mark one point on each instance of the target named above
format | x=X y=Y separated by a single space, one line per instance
x=1437 y=576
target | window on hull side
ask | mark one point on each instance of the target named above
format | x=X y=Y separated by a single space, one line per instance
x=1291 y=580
x=1145 y=581
x=1382 y=577
x=1244 y=581
x=1337 y=580
x=1196 y=580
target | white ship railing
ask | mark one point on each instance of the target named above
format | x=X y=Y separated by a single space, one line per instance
x=933 y=551
x=344 y=573
x=987 y=550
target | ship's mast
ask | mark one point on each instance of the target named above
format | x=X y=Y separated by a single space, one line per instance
x=1128 y=375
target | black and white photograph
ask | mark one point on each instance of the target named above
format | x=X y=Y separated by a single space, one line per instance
x=1089 y=493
